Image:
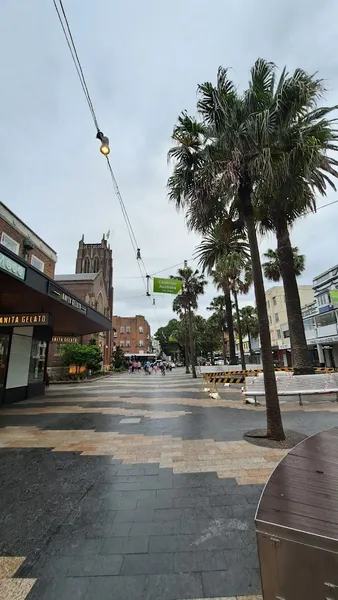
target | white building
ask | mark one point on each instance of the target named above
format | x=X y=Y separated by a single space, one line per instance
x=320 y=318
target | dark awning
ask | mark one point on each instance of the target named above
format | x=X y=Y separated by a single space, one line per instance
x=24 y=289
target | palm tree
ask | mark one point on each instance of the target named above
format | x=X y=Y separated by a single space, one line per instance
x=180 y=308
x=271 y=267
x=193 y=284
x=222 y=240
x=249 y=321
x=239 y=274
x=218 y=306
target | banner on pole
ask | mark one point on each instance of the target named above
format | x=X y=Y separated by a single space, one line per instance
x=167 y=286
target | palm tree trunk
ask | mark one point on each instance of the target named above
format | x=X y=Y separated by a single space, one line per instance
x=230 y=325
x=300 y=354
x=273 y=415
x=224 y=351
x=192 y=345
x=250 y=347
x=186 y=351
x=239 y=325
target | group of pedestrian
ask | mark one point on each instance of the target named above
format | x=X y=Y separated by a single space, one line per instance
x=149 y=367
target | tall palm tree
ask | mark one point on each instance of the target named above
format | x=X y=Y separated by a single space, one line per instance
x=247 y=141
x=193 y=284
x=179 y=307
x=239 y=274
x=271 y=267
x=220 y=241
x=249 y=321
x=218 y=306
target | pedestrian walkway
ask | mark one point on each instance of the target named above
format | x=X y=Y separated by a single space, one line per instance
x=134 y=487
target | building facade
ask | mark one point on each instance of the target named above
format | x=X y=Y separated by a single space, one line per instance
x=133 y=335
x=278 y=321
x=92 y=283
x=321 y=319
x=33 y=309
x=17 y=237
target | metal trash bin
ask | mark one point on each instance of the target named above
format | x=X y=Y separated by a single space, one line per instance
x=297 y=523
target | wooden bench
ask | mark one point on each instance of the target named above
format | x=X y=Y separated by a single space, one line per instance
x=294 y=385
x=297 y=523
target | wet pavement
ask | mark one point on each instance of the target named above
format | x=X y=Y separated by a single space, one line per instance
x=135 y=487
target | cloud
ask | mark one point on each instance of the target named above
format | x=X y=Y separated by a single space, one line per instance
x=143 y=62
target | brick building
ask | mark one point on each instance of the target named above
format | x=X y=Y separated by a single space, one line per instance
x=34 y=310
x=17 y=237
x=133 y=335
x=92 y=283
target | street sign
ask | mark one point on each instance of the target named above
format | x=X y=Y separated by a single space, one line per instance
x=167 y=286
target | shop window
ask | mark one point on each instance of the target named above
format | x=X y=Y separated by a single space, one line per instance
x=9 y=243
x=37 y=361
x=4 y=348
x=37 y=263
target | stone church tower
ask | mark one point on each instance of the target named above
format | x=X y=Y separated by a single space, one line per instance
x=92 y=258
x=95 y=258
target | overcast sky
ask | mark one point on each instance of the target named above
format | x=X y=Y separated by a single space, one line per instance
x=142 y=61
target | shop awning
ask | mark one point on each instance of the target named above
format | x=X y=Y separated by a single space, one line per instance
x=24 y=289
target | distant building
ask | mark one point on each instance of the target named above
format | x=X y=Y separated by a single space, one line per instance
x=320 y=319
x=133 y=335
x=278 y=322
x=92 y=283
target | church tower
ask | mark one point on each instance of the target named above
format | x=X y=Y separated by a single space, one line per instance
x=92 y=258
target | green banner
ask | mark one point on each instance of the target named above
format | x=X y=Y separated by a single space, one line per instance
x=167 y=286
x=334 y=295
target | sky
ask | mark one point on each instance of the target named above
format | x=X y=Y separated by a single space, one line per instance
x=142 y=62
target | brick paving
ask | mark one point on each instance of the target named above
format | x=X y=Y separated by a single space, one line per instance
x=135 y=487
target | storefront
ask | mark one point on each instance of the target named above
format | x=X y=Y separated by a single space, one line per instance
x=33 y=309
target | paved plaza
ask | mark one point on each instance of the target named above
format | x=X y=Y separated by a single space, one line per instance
x=135 y=487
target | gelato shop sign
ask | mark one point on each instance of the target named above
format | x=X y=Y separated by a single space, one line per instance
x=24 y=320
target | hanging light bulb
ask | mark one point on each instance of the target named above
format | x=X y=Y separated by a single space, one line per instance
x=104 y=148
x=138 y=254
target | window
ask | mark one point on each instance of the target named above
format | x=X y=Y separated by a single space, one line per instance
x=37 y=361
x=270 y=321
x=268 y=304
x=140 y=329
x=96 y=266
x=279 y=334
x=276 y=317
x=4 y=352
x=115 y=334
x=9 y=243
x=328 y=318
x=121 y=329
x=274 y=300
x=309 y=323
x=128 y=329
x=85 y=266
x=140 y=343
x=286 y=334
x=122 y=343
x=128 y=343
x=37 y=263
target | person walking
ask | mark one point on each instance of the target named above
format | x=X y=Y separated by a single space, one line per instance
x=155 y=367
